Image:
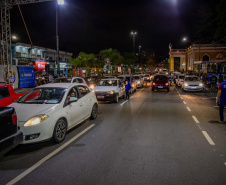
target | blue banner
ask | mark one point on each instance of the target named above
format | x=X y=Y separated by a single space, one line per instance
x=26 y=76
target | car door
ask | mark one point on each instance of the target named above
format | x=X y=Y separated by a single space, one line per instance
x=73 y=110
x=85 y=99
x=121 y=88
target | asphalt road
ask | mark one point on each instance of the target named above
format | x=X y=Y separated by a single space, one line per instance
x=155 y=138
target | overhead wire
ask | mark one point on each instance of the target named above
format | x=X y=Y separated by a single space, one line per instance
x=25 y=25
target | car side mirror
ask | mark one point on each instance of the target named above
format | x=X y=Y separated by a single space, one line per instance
x=72 y=99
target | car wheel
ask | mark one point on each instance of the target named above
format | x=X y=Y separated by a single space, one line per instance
x=116 y=98
x=167 y=90
x=152 y=89
x=94 y=112
x=60 y=130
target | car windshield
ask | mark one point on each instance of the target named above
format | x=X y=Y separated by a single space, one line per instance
x=160 y=78
x=107 y=83
x=181 y=77
x=62 y=80
x=4 y=92
x=192 y=78
x=137 y=77
x=43 y=96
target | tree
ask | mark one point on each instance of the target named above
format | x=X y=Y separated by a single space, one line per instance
x=112 y=55
x=84 y=60
x=210 y=22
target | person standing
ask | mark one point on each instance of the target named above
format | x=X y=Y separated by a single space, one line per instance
x=127 y=86
x=221 y=98
x=50 y=78
x=213 y=83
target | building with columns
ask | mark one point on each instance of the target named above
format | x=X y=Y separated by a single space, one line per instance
x=199 y=58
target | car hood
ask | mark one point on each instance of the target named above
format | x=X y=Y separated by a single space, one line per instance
x=26 y=111
x=192 y=82
x=105 y=88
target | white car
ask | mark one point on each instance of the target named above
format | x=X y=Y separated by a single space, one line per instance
x=49 y=111
x=69 y=80
x=147 y=77
x=139 y=80
x=180 y=80
x=192 y=83
x=109 y=90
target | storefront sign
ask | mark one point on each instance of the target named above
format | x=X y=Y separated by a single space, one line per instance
x=39 y=65
x=119 y=69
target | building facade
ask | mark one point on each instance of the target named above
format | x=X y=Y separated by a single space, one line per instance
x=24 y=54
x=201 y=58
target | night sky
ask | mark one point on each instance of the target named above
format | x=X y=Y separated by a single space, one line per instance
x=90 y=26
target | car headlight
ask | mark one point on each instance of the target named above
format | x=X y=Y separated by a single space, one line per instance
x=153 y=84
x=111 y=92
x=91 y=86
x=138 y=82
x=186 y=84
x=167 y=84
x=148 y=78
x=201 y=84
x=35 y=120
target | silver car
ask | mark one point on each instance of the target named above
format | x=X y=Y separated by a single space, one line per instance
x=192 y=83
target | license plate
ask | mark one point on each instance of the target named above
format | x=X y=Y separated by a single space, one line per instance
x=160 y=87
x=100 y=97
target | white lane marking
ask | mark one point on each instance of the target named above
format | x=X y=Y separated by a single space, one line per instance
x=225 y=163
x=29 y=170
x=184 y=102
x=208 y=138
x=131 y=97
x=124 y=102
x=182 y=98
x=195 y=119
x=179 y=94
x=189 y=109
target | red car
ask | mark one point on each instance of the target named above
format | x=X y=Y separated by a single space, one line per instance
x=8 y=95
x=160 y=82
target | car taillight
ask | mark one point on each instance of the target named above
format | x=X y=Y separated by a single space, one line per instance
x=14 y=118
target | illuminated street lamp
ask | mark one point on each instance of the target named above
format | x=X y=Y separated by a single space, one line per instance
x=59 y=2
x=185 y=39
x=14 y=37
x=133 y=34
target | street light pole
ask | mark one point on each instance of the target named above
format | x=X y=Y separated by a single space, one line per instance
x=59 y=2
x=57 y=42
x=133 y=34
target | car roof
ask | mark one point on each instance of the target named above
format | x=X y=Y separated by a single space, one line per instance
x=59 y=85
x=161 y=75
x=125 y=75
x=110 y=79
x=190 y=76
